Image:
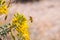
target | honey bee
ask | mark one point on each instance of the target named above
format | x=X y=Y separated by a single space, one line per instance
x=31 y=19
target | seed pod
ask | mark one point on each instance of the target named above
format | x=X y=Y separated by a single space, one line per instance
x=5 y=17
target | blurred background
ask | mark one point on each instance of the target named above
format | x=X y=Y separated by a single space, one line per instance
x=43 y=15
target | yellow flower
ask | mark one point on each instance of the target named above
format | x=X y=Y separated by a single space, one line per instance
x=22 y=25
x=3 y=7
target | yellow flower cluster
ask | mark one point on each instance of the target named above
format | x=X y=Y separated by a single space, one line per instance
x=22 y=26
x=18 y=20
x=3 y=7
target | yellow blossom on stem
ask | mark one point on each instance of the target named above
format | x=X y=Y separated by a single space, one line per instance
x=3 y=7
x=22 y=26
